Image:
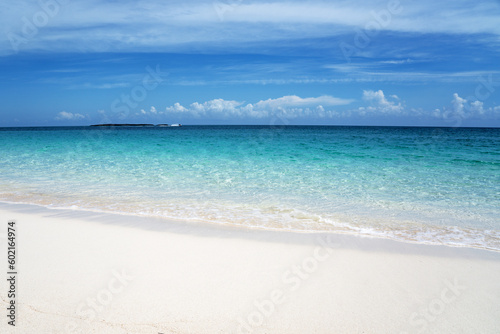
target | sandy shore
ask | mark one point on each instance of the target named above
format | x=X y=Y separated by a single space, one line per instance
x=85 y=272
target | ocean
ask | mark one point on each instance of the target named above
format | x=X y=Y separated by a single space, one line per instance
x=421 y=185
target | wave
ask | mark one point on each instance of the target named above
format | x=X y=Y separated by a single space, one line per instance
x=289 y=219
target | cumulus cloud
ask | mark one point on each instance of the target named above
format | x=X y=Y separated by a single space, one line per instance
x=296 y=101
x=477 y=107
x=290 y=106
x=177 y=108
x=68 y=116
x=458 y=105
x=379 y=103
x=216 y=107
x=463 y=108
x=466 y=108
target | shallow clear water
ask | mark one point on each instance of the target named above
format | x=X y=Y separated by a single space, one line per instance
x=427 y=185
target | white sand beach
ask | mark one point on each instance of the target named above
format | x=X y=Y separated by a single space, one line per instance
x=87 y=272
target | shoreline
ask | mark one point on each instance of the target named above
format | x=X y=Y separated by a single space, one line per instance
x=86 y=271
x=350 y=230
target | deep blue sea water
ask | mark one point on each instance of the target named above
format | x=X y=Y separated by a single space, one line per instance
x=428 y=185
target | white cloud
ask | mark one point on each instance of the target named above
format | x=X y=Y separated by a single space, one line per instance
x=100 y=86
x=176 y=108
x=379 y=103
x=295 y=107
x=102 y=26
x=67 y=116
x=290 y=106
x=296 y=101
x=397 y=61
x=379 y=71
x=477 y=107
x=216 y=107
x=458 y=105
x=466 y=108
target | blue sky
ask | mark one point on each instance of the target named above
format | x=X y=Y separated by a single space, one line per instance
x=72 y=62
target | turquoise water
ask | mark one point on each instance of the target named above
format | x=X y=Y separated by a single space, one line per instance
x=427 y=185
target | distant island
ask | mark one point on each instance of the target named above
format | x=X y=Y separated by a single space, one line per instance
x=138 y=125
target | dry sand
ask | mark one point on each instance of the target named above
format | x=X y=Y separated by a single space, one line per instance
x=86 y=272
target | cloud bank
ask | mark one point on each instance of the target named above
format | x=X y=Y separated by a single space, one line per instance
x=376 y=104
x=380 y=104
x=466 y=108
x=67 y=116
x=290 y=106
